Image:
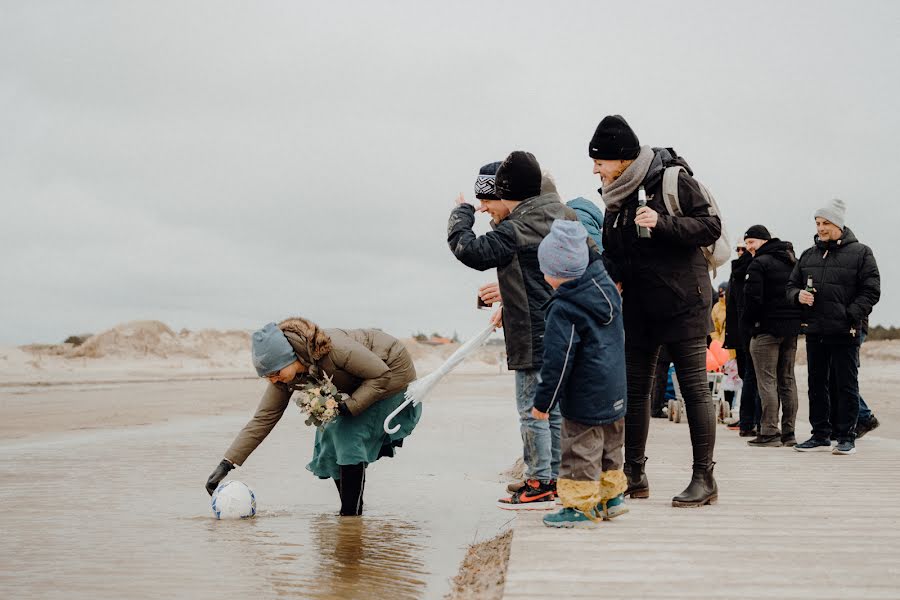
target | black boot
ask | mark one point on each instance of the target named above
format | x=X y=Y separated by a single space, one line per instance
x=638 y=486
x=351 y=486
x=700 y=491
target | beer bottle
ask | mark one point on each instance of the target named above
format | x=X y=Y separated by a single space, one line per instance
x=643 y=232
x=809 y=285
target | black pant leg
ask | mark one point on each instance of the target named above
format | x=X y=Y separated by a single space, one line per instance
x=844 y=371
x=818 y=360
x=640 y=363
x=750 y=405
x=689 y=357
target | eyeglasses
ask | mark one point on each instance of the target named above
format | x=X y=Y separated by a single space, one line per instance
x=740 y=249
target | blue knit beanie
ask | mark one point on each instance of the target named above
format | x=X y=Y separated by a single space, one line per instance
x=564 y=253
x=271 y=351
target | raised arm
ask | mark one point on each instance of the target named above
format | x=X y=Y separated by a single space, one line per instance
x=493 y=249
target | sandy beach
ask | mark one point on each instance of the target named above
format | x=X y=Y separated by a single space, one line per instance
x=103 y=463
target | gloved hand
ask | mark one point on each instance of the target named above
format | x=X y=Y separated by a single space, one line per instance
x=218 y=475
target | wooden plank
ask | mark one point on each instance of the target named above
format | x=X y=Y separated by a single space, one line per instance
x=787 y=525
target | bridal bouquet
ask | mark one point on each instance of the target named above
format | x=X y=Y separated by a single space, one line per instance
x=319 y=400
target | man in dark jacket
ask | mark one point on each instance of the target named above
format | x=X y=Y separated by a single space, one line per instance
x=739 y=341
x=666 y=292
x=774 y=324
x=521 y=219
x=584 y=374
x=837 y=283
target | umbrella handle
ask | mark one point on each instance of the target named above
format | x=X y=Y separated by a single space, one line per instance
x=387 y=420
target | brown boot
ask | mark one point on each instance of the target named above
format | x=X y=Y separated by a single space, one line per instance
x=638 y=486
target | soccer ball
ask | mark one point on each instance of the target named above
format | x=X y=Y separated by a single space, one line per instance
x=233 y=500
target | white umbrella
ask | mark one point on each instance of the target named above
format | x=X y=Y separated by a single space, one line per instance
x=420 y=388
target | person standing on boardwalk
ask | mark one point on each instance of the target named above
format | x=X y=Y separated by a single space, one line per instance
x=370 y=366
x=719 y=313
x=720 y=323
x=837 y=283
x=522 y=217
x=773 y=323
x=666 y=290
x=583 y=373
x=739 y=340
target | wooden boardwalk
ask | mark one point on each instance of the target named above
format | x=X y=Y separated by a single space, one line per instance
x=787 y=525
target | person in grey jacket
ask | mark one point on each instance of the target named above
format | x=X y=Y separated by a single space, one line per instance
x=522 y=217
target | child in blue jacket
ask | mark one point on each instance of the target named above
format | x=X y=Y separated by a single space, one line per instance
x=584 y=373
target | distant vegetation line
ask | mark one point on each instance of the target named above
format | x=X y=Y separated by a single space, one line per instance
x=880 y=332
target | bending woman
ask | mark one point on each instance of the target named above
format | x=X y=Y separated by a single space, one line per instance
x=369 y=365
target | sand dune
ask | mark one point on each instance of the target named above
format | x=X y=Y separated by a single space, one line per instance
x=151 y=350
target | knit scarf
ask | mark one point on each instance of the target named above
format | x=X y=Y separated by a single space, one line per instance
x=616 y=192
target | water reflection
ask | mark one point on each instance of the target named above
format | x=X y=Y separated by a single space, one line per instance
x=350 y=557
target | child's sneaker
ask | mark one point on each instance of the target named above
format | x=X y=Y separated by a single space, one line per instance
x=569 y=518
x=536 y=495
x=612 y=508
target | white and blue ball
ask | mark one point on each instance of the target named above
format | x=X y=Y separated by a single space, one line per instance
x=233 y=500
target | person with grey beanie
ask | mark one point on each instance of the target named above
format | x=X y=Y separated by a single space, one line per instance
x=369 y=367
x=836 y=283
x=583 y=374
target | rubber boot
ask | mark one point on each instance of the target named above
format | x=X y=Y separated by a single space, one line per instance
x=352 y=485
x=700 y=491
x=638 y=486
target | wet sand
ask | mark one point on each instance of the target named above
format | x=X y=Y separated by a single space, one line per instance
x=102 y=486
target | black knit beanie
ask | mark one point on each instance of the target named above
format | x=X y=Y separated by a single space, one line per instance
x=518 y=177
x=758 y=232
x=614 y=140
x=484 y=183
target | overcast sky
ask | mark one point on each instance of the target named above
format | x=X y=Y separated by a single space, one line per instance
x=225 y=164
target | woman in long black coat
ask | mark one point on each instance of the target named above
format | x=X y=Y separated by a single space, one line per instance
x=667 y=293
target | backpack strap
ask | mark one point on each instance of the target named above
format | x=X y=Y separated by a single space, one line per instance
x=670 y=190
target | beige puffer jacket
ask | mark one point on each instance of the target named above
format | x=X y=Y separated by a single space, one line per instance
x=367 y=364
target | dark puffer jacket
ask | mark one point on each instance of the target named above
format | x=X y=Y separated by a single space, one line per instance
x=584 y=344
x=845 y=277
x=667 y=291
x=766 y=307
x=512 y=248
x=735 y=338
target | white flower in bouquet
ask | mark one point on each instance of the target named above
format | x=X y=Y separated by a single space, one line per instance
x=319 y=400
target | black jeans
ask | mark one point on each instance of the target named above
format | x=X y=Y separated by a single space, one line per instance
x=689 y=357
x=833 y=387
x=751 y=408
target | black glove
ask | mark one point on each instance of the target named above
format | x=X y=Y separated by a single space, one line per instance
x=218 y=475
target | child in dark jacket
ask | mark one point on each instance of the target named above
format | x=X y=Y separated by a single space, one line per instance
x=583 y=371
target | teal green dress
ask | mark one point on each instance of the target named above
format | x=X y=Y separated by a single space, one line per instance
x=361 y=439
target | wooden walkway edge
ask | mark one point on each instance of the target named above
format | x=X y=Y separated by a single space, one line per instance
x=787 y=525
